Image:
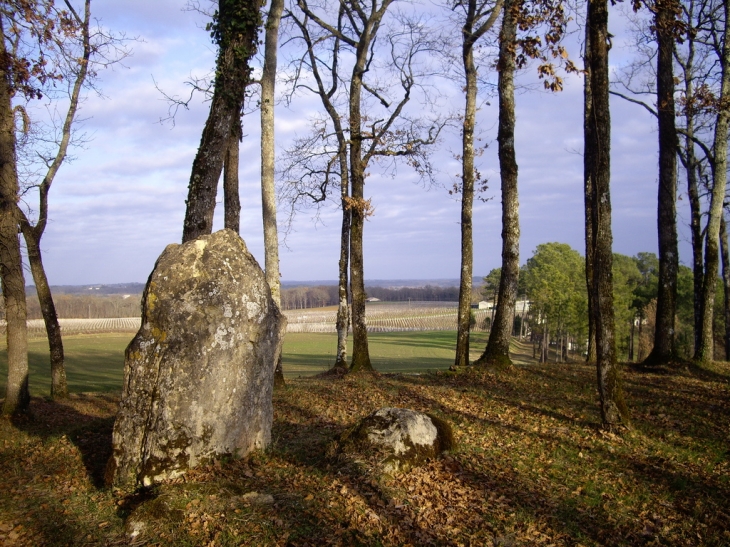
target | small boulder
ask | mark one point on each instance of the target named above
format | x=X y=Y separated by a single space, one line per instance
x=199 y=374
x=403 y=437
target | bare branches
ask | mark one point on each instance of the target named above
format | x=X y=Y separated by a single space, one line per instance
x=390 y=71
x=80 y=48
x=635 y=101
x=175 y=102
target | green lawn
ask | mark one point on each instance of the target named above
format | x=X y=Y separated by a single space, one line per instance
x=94 y=362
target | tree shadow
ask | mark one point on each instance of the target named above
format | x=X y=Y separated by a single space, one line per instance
x=90 y=432
x=309 y=443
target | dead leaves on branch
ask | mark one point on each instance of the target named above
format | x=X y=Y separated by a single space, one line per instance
x=363 y=206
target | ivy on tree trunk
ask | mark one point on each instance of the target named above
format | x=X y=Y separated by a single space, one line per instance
x=235 y=29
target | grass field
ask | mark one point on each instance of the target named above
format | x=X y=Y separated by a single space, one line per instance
x=95 y=362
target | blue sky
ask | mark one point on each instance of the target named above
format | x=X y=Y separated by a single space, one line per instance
x=122 y=200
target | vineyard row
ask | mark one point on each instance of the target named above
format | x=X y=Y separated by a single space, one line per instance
x=398 y=320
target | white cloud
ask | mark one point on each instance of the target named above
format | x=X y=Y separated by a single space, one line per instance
x=115 y=208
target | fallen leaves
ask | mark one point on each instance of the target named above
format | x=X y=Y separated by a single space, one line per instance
x=531 y=468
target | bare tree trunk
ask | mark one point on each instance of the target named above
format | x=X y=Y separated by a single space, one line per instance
x=17 y=396
x=696 y=229
x=237 y=26
x=467 y=201
x=726 y=283
x=343 y=309
x=59 y=385
x=588 y=197
x=522 y=319
x=640 y=350
x=614 y=412
x=704 y=352
x=475 y=25
x=664 y=333
x=358 y=209
x=268 y=192
x=631 y=339
x=231 y=198
x=534 y=343
x=497 y=350
x=360 y=351
x=692 y=166
x=33 y=234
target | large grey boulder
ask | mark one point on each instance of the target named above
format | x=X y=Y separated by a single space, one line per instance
x=402 y=438
x=199 y=374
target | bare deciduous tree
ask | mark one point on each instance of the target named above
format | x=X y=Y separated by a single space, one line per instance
x=268 y=193
x=614 y=412
x=80 y=55
x=365 y=116
x=35 y=39
x=479 y=18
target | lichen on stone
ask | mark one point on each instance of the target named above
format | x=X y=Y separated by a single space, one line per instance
x=198 y=329
x=402 y=438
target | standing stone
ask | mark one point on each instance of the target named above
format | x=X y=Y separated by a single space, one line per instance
x=199 y=374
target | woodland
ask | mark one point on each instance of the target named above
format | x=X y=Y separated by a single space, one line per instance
x=624 y=444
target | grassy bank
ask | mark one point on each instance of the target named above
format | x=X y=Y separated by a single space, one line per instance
x=531 y=468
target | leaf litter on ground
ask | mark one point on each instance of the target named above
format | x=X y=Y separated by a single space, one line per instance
x=531 y=467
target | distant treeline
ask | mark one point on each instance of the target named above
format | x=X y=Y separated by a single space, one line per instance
x=72 y=306
x=93 y=290
x=326 y=295
x=85 y=306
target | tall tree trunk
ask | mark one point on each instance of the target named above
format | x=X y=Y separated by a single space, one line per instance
x=631 y=339
x=640 y=347
x=497 y=350
x=59 y=385
x=360 y=351
x=588 y=197
x=358 y=210
x=696 y=230
x=237 y=27
x=33 y=234
x=725 y=254
x=664 y=332
x=17 y=396
x=268 y=192
x=719 y=179
x=343 y=309
x=467 y=200
x=522 y=318
x=231 y=198
x=475 y=25
x=598 y=149
x=692 y=166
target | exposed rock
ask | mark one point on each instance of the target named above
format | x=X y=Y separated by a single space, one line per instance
x=404 y=437
x=199 y=374
x=254 y=498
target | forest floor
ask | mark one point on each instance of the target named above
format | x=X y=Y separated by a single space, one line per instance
x=531 y=467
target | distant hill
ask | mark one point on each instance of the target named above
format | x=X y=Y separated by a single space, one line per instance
x=98 y=290
x=386 y=283
x=138 y=288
